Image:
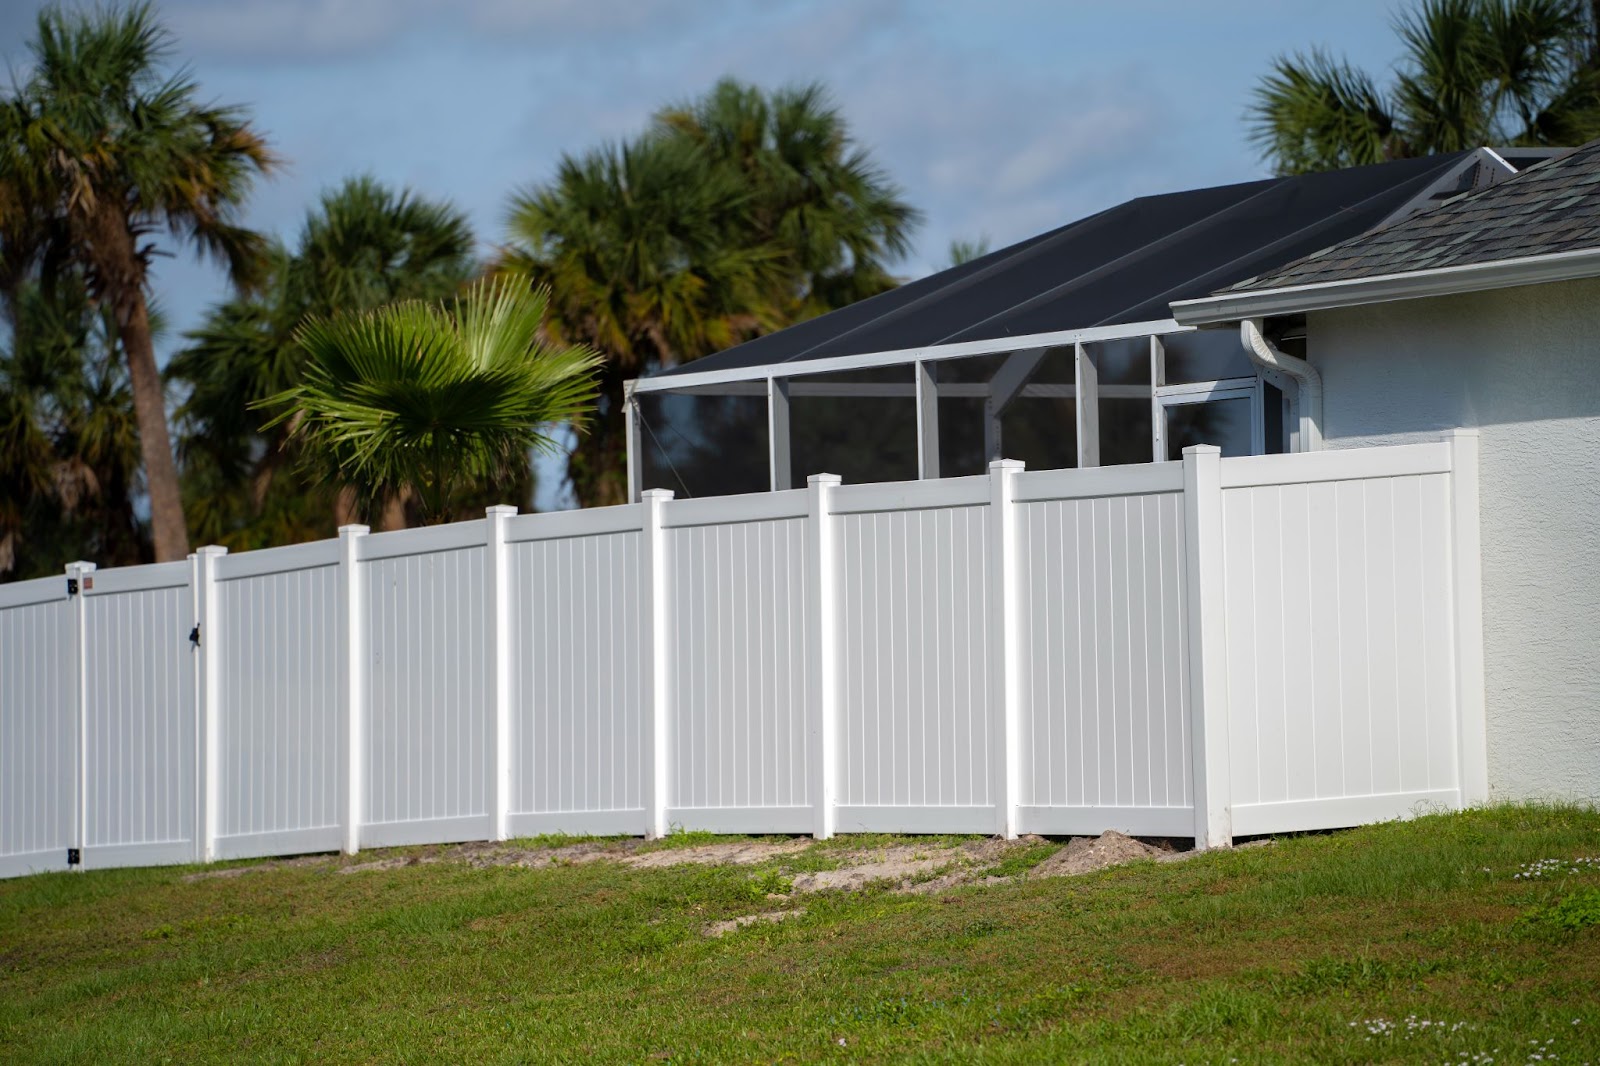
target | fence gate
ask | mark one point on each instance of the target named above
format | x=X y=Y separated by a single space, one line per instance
x=139 y=755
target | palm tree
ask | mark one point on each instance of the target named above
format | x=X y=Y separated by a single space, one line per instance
x=69 y=448
x=816 y=194
x=1474 y=72
x=114 y=148
x=733 y=215
x=362 y=247
x=645 y=251
x=411 y=394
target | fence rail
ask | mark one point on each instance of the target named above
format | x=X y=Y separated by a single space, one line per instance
x=1205 y=648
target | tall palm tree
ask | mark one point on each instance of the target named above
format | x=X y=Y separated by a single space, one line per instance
x=412 y=394
x=816 y=194
x=363 y=246
x=645 y=251
x=735 y=214
x=1474 y=72
x=116 y=147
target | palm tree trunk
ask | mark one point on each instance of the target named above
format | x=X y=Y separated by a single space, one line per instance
x=394 y=510
x=155 y=446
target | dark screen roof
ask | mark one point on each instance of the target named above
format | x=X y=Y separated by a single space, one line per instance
x=1548 y=208
x=1125 y=264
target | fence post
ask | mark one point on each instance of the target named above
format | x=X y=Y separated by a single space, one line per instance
x=1468 y=581
x=497 y=570
x=1004 y=694
x=1208 y=656
x=351 y=594
x=208 y=701
x=498 y=599
x=655 y=664
x=80 y=576
x=823 y=608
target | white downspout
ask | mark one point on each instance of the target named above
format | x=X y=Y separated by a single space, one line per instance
x=1263 y=352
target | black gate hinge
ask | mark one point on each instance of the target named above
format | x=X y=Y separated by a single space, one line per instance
x=74 y=857
x=72 y=586
x=194 y=635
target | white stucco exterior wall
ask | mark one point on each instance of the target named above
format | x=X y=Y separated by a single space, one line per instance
x=1522 y=366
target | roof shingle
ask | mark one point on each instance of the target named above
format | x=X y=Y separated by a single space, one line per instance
x=1553 y=206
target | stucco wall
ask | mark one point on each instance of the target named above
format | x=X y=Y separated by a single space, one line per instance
x=1523 y=366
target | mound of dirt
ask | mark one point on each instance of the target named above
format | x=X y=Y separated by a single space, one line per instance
x=1085 y=855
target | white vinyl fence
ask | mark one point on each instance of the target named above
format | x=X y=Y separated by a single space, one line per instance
x=1205 y=648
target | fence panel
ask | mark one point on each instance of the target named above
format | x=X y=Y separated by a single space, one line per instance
x=1310 y=619
x=1105 y=683
x=140 y=763
x=738 y=734
x=281 y=740
x=429 y=729
x=577 y=675
x=1340 y=639
x=916 y=654
x=38 y=726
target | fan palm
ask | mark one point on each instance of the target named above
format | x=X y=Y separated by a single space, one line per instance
x=114 y=147
x=412 y=394
x=363 y=246
x=1474 y=72
x=645 y=251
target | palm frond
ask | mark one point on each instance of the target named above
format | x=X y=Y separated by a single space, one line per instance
x=413 y=394
x=1313 y=112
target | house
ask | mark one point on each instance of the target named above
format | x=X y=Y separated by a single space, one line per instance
x=1483 y=313
x=1375 y=305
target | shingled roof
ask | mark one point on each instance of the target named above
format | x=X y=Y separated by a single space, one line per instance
x=1552 y=207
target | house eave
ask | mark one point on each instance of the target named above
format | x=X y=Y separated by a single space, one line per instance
x=1386 y=288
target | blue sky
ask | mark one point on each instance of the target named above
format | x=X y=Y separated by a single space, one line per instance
x=999 y=119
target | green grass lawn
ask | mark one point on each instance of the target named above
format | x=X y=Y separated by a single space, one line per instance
x=1404 y=942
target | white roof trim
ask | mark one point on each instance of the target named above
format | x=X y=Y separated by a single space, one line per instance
x=907 y=355
x=1383 y=288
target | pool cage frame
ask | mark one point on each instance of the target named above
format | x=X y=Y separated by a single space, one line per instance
x=1012 y=380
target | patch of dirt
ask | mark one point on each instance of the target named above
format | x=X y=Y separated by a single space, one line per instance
x=920 y=869
x=387 y=864
x=902 y=865
x=260 y=867
x=481 y=856
x=744 y=853
x=1085 y=855
x=716 y=929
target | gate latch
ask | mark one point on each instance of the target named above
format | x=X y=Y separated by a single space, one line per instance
x=194 y=635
